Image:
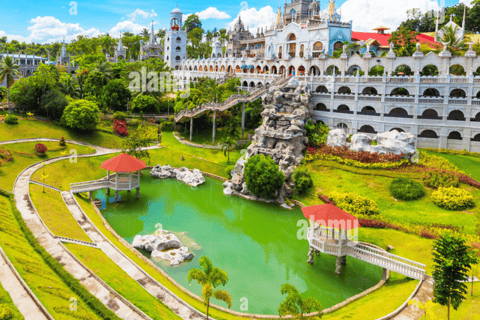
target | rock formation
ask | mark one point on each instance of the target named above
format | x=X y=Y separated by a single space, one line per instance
x=388 y=142
x=192 y=178
x=281 y=136
x=164 y=245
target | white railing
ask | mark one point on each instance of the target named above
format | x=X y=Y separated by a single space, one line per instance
x=103 y=184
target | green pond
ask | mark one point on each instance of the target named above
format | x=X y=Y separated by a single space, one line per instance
x=255 y=243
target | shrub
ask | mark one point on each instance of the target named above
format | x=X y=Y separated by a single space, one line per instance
x=11 y=119
x=354 y=204
x=362 y=156
x=453 y=198
x=263 y=177
x=367 y=223
x=168 y=126
x=302 y=179
x=81 y=115
x=317 y=133
x=436 y=179
x=145 y=103
x=229 y=170
x=116 y=95
x=119 y=115
x=5 y=312
x=62 y=142
x=120 y=127
x=406 y=189
x=41 y=149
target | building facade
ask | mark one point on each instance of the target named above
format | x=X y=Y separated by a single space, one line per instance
x=175 y=41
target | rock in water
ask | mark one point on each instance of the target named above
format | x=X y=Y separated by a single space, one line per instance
x=192 y=178
x=175 y=256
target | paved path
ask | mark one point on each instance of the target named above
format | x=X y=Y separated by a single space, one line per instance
x=23 y=298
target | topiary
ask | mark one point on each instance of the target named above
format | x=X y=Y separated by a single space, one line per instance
x=41 y=149
x=11 y=119
x=263 y=177
x=453 y=198
x=302 y=179
x=437 y=179
x=62 y=142
x=406 y=189
x=81 y=115
x=354 y=204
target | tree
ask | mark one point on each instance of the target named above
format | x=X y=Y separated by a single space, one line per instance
x=105 y=68
x=8 y=72
x=302 y=179
x=455 y=45
x=192 y=22
x=53 y=103
x=209 y=278
x=138 y=140
x=116 y=95
x=452 y=259
x=94 y=83
x=404 y=42
x=81 y=115
x=295 y=305
x=68 y=86
x=263 y=176
x=145 y=103
x=228 y=144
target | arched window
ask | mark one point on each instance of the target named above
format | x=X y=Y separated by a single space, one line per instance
x=454 y=135
x=292 y=13
x=369 y=90
x=430 y=114
x=429 y=134
x=398 y=129
x=345 y=90
x=179 y=39
x=321 y=89
x=400 y=92
x=477 y=118
x=368 y=111
x=476 y=138
x=458 y=93
x=321 y=107
x=292 y=36
x=431 y=92
x=337 y=46
x=178 y=49
x=367 y=129
x=456 y=115
x=343 y=109
x=398 y=113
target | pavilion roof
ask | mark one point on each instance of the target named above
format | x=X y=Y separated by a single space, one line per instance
x=123 y=163
x=331 y=216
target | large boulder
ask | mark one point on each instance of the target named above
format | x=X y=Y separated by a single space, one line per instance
x=175 y=256
x=337 y=138
x=192 y=178
x=397 y=143
x=361 y=142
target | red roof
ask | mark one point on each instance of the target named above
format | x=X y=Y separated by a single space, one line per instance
x=123 y=163
x=383 y=38
x=331 y=216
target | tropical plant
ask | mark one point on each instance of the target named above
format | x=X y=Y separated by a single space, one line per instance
x=9 y=71
x=138 y=140
x=210 y=277
x=228 y=145
x=316 y=133
x=105 y=68
x=456 y=45
x=263 y=177
x=81 y=115
x=452 y=259
x=295 y=305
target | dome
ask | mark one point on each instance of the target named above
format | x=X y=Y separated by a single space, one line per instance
x=176 y=10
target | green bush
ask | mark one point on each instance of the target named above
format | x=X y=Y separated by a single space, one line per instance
x=11 y=119
x=263 y=177
x=5 y=312
x=116 y=95
x=119 y=115
x=406 y=189
x=302 y=179
x=168 y=126
x=145 y=103
x=81 y=115
x=229 y=170
x=437 y=179
x=452 y=198
x=317 y=133
x=354 y=204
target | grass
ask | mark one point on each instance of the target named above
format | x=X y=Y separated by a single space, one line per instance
x=39 y=129
x=43 y=281
x=55 y=214
x=24 y=156
x=469 y=165
x=205 y=137
x=6 y=303
x=422 y=211
x=121 y=282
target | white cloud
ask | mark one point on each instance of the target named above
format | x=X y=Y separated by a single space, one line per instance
x=143 y=14
x=212 y=13
x=466 y=2
x=369 y=14
x=254 y=18
x=49 y=29
x=127 y=25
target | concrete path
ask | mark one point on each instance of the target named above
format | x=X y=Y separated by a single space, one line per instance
x=424 y=294
x=23 y=298
x=155 y=288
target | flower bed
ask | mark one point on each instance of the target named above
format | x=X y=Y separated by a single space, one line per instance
x=362 y=156
x=120 y=127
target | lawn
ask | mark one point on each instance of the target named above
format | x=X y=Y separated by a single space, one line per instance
x=205 y=137
x=49 y=288
x=55 y=214
x=24 y=156
x=7 y=306
x=121 y=282
x=469 y=165
x=327 y=179
x=40 y=129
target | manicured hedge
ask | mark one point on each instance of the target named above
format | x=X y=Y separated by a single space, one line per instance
x=453 y=198
x=90 y=300
x=354 y=204
x=437 y=179
x=406 y=189
x=358 y=164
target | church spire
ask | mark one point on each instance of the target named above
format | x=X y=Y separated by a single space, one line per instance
x=152 y=36
x=120 y=44
x=331 y=9
x=63 y=53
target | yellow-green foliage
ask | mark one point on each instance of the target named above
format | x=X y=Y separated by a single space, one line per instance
x=357 y=164
x=436 y=179
x=431 y=161
x=354 y=204
x=453 y=198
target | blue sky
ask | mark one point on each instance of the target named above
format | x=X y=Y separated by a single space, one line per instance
x=45 y=21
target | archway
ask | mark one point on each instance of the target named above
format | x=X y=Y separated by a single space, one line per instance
x=431 y=92
x=301 y=71
x=477 y=118
x=476 y=138
x=343 y=109
x=429 y=71
x=458 y=93
x=454 y=135
x=403 y=70
x=430 y=114
x=457 y=70
x=321 y=89
x=368 y=110
x=429 y=134
x=398 y=113
x=258 y=69
x=344 y=90
x=398 y=129
x=291 y=71
x=314 y=70
x=367 y=129
x=274 y=70
x=376 y=71
x=320 y=107
x=400 y=92
x=370 y=90
x=331 y=69
x=456 y=115
x=282 y=70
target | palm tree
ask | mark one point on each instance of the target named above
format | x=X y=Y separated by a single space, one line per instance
x=105 y=68
x=68 y=87
x=456 y=45
x=210 y=277
x=214 y=91
x=228 y=144
x=8 y=72
x=295 y=305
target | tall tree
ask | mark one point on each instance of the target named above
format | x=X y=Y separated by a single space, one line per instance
x=452 y=259
x=295 y=305
x=210 y=277
x=228 y=144
x=192 y=22
x=8 y=71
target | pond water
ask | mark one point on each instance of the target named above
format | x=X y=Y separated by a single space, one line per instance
x=255 y=243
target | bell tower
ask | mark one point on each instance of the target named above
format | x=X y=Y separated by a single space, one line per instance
x=175 y=41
